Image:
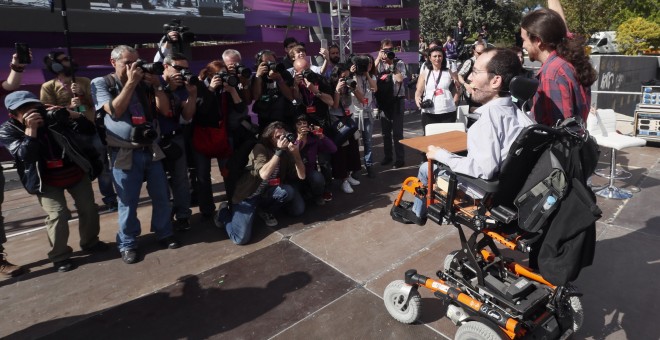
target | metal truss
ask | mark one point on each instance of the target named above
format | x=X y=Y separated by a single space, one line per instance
x=340 y=22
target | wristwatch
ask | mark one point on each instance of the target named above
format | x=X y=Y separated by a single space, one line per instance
x=159 y=88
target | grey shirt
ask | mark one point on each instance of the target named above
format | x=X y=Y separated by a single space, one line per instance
x=399 y=90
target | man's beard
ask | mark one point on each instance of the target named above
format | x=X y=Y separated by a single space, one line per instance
x=335 y=60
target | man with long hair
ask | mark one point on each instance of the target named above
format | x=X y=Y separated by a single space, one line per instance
x=566 y=74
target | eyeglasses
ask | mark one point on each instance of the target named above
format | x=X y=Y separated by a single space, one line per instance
x=477 y=71
x=179 y=67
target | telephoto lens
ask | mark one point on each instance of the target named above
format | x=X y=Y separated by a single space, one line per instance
x=156 y=68
x=189 y=77
x=230 y=79
x=243 y=71
x=311 y=76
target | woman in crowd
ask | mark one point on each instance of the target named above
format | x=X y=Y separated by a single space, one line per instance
x=216 y=100
x=347 y=158
x=436 y=93
x=363 y=107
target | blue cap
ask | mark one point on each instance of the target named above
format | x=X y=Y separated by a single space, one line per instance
x=16 y=99
x=551 y=199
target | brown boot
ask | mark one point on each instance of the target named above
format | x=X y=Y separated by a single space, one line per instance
x=7 y=269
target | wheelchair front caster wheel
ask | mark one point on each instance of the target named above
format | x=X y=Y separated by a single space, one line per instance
x=474 y=330
x=402 y=303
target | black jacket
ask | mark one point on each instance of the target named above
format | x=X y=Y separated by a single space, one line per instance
x=28 y=156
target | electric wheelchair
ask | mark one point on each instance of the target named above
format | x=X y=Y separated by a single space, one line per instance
x=491 y=296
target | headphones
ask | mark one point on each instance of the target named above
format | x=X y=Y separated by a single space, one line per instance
x=52 y=64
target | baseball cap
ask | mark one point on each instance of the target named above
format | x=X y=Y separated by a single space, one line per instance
x=16 y=99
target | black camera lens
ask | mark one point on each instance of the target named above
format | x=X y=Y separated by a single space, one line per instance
x=361 y=63
x=290 y=137
x=189 y=77
x=311 y=76
x=351 y=83
x=230 y=79
x=244 y=71
x=156 y=68
x=426 y=104
x=56 y=115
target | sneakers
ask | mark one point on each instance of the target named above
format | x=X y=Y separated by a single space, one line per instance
x=398 y=164
x=7 y=269
x=111 y=207
x=327 y=196
x=64 y=265
x=129 y=256
x=216 y=218
x=346 y=187
x=352 y=181
x=268 y=218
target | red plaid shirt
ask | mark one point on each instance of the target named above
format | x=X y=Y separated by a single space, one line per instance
x=560 y=95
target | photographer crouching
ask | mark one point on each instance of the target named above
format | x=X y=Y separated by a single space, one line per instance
x=265 y=187
x=129 y=99
x=51 y=158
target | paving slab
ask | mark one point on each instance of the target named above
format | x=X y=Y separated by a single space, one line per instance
x=253 y=297
x=356 y=315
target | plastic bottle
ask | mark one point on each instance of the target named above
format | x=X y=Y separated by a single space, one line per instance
x=549 y=202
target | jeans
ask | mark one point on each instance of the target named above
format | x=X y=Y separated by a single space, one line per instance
x=238 y=223
x=205 y=183
x=392 y=126
x=53 y=201
x=3 y=236
x=419 y=206
x=314 y=184
x=366 y=142
x=129 y=184
x=180 y=185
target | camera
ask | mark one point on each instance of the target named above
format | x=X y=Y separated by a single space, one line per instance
x=290 y=137
x=390 y=54
x=276 y=67
x=143 y=134
x=426 y=104
x=156 y=68
x=311 y=76
x=184 y=32
x=243 y=70
x=230 y=79
x=55 y=115
x=350 y=83
x=361 y=63
x=189 y=77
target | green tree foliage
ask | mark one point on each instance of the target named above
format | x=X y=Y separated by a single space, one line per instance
x=638 y=34
x=439 y=18
x=589 y=16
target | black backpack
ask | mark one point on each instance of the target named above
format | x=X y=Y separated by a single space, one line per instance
x=237 y=165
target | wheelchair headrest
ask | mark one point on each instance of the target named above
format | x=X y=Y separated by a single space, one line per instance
x=523 y=88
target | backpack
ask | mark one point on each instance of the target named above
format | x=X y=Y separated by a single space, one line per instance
x=237 y=166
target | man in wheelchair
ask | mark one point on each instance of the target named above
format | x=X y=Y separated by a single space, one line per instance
x=489 y=139
x=527 y=187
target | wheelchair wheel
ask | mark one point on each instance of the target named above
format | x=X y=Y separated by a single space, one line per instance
x=475 y=330
x=395 y=301
x=575 y=312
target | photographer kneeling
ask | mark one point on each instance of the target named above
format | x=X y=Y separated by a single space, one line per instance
x=51 y=158
x=264 y=188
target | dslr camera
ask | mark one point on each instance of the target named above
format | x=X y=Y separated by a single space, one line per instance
x=54 y=116
x=189 y=77
x=184 y=32
x=228 y=78
x=156 y=68
x=351 y=83
x=426 y=104
x=390 y=54
x=276 y=67
x=243 y=70
x=311 y=76
x=290 y=137
x=143 y=133
x=361 y=63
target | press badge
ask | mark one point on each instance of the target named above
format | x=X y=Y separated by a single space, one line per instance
x=365 y=101
x=311 y=109
x=138 y=120
x=274 y=182
x=439 y=92
x=347 y=112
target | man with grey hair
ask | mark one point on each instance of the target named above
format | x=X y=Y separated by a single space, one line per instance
x=125 y=97
x=232 y=59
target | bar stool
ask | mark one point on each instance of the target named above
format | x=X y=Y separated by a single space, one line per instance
x=602 y=125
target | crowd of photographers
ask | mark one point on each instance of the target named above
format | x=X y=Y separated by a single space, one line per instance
x=164 y=124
